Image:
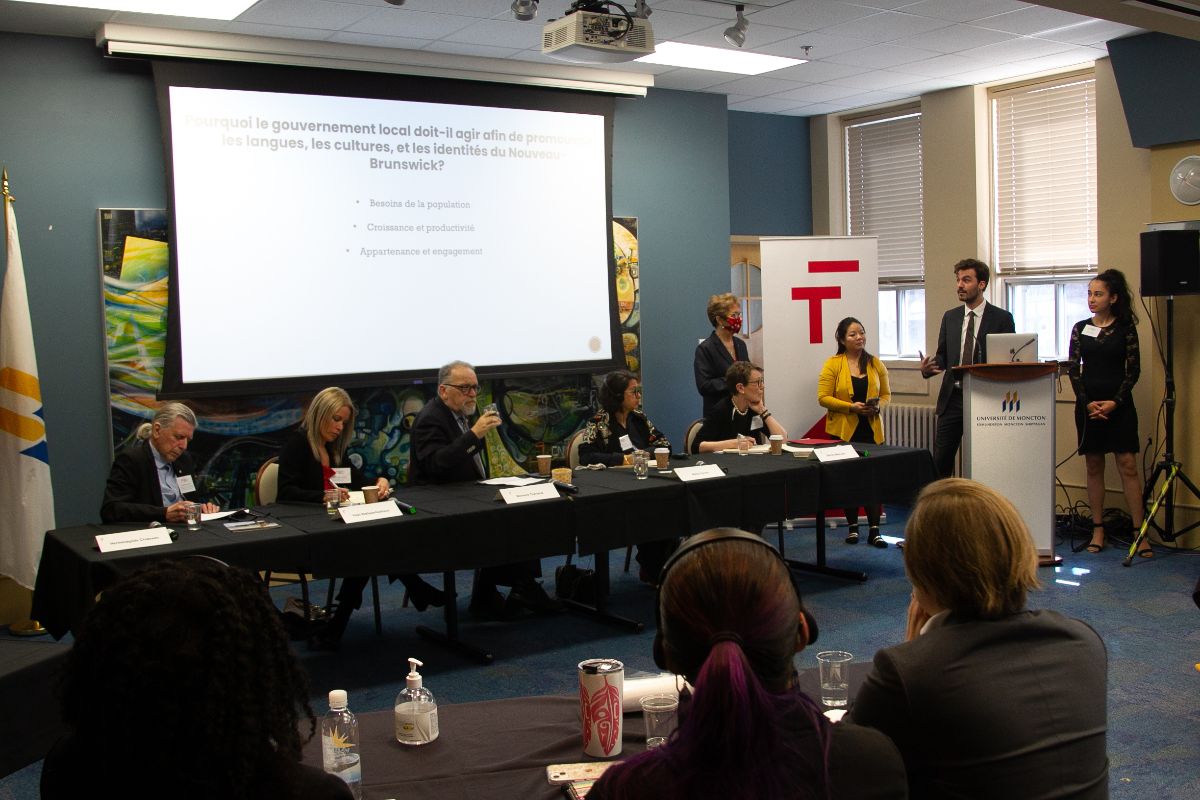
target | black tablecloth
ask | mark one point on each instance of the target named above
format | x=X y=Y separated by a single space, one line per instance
x=494 y=749
x=463 y=526
x=30 y=721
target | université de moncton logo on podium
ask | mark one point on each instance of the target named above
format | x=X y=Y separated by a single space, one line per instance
x=1011 y=403
x=1010 y=415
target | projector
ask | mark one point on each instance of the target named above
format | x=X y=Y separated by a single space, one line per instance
x=588 y=37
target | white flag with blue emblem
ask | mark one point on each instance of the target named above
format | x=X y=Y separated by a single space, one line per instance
x=25 y=494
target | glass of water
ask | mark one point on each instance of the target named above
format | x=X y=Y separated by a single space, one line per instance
x=641 y=463
x=834 y=666
x=333 y=499
x=660 y=712
x=192 y=515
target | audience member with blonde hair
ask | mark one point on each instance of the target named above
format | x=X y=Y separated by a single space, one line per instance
x=987 y=698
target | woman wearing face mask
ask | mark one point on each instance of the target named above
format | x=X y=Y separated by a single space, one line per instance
x=308 y=462
x=718 y=352
x=852 y=388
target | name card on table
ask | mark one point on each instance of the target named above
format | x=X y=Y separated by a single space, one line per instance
x=699 y=473
x=526 y=494
x=368 y=511
x=128 y=540
x=839 y=452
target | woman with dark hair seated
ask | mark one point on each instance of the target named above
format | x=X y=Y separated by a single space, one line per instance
x=621 y=426
x=987 y=698
x=181 y=684
x=308 y=462
x=612 y=435
x=730 y=620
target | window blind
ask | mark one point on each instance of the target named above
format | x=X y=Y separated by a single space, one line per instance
x=1044 y=177
x=884 y=192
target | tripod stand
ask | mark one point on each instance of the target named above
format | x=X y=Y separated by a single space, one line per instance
x=1168 y=469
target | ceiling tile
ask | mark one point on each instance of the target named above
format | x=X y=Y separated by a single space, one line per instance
x=817 y=92
x=887 y=26
x=881 y=56
x=324 y=14
x=763 y=105
x=962 y=10
x=955 y=38
x=949 y=64
x=810 y=15
x=499 y=33
x=817 y=72
x=823 y=45
x=414 y=24
x=1031 y=21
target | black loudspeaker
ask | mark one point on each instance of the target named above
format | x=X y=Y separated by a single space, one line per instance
x=1170 y=263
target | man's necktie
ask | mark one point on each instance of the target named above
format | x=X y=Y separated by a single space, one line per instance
x=968 y=353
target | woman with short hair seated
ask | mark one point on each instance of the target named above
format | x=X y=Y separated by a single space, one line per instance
x=730 y=620
x=181 y=684
x=987 y=698
x=611 y=437
x=743 y=412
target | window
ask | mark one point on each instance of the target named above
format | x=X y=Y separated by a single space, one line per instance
x=1044 y=204
x=884 y=198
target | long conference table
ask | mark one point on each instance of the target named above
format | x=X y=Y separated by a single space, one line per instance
x=464 y=526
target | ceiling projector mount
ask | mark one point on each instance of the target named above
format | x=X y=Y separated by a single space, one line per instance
x=599 y=32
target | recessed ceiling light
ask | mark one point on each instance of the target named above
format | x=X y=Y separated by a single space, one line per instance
x=205 y=9
x=716 y=59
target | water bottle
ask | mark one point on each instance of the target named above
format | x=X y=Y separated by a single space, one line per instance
x=339 y=743
x=416 y=710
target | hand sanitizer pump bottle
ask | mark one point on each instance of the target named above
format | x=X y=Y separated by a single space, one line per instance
x=416 y=710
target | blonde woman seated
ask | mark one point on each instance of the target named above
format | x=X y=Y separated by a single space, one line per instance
x=987 y=698
x=852 y=388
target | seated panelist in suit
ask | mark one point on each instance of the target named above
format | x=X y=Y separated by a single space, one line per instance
x=962 y=339
x=309 y=464
x=743 y=411
x=151 y=480
x=987 y=698
x=447 y=446
x=849 y=381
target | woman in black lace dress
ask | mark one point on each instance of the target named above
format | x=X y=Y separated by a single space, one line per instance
x=1105 y=364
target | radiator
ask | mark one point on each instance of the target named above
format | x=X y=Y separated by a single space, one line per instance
x=909 y=426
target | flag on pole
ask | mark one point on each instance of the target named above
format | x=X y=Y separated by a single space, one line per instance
x=26 y=499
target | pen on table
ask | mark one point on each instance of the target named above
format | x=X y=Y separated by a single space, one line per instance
x=405 y=507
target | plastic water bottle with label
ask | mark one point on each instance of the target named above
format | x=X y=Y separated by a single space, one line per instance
x=339 y=743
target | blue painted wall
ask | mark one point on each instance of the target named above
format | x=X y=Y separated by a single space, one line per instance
x=770 y=182
x=1158 y=77
x=79 y=132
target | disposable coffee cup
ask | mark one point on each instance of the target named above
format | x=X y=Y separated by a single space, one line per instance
x=561 y=474
x=370 y=494
x=662 y=457
x=543 y=463
x=834 y=666
x=601 y=686
x=776 y=444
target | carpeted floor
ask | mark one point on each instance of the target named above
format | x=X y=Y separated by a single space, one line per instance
x=1144 y=613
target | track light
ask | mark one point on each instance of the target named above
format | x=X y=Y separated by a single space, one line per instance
x=735 y=34
x=524 y=10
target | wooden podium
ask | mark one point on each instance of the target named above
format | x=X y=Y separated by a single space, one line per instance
x=1008 y=440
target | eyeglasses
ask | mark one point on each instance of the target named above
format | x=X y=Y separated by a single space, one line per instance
x=634 y=390
x=465 y=388
x=759 y=382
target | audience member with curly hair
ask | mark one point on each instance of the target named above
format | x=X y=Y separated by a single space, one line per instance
x=181 y=684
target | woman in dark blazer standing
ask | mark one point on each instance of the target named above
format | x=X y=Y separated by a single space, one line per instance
x=717 y=353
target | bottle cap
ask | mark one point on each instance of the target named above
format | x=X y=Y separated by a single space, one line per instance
x=414 y=678
x=337 y=699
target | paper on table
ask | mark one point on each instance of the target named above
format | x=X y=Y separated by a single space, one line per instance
x=218 y=514
x=356 y=498
x=754 y=448
x=511 y=481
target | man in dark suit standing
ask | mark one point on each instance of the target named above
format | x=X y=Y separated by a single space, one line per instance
x=962 y=339
x=151 y=480
x=447 y=447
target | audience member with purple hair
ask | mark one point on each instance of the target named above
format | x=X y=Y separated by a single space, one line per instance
x=730 y=621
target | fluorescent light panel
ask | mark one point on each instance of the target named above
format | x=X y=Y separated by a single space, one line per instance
x=201 y=9
x=716 y=59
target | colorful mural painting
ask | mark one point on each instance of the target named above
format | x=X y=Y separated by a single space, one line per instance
x=236 y=435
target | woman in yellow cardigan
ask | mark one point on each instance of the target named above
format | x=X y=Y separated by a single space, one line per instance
x=852 y=388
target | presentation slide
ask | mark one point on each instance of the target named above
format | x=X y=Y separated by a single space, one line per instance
x=324 y=235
